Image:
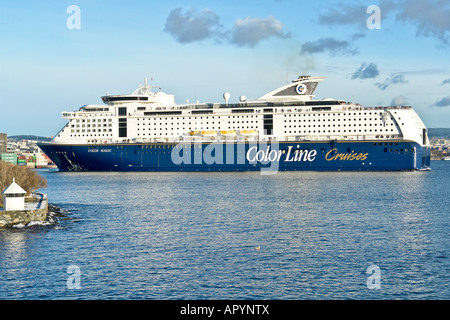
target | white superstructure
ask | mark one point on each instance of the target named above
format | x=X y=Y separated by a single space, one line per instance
x=288 y=113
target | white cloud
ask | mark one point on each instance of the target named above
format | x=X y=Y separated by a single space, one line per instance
x=249 y=32
x=330 y=45
x=345 y=15
x=431 y=18
x=392 y=79
x=399 y=101
x=366 y=71
x=444 y=102
x=192 y=26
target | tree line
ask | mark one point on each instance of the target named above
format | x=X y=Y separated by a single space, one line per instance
x=28 y=179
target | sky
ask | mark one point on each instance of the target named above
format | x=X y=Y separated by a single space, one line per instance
x=57 y=56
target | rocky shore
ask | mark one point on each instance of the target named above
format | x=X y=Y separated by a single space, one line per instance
x=34 y=211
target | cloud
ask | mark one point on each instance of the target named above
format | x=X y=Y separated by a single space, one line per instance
x=249 y=32
x=329 y=44
x=392 y=79
x=358 y=36
x=399 y=101
x=444 y=102
x=192 y=26
x=354 y=14
x=446 y=81
x=345 y=15
x=366 y=71
x=430 y=17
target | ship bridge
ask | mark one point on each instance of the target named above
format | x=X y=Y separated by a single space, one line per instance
x=143 y=94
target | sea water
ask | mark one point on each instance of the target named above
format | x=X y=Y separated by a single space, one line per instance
x=288 y=236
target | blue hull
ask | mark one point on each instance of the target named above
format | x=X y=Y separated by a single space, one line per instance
x=248 y=156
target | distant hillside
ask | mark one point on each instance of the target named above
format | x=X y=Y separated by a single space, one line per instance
x=30 y=137
x=439 y=133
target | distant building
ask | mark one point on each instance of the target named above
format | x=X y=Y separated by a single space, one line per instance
x=3 y=143
x=9 y=158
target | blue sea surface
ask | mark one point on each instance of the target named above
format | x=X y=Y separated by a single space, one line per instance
x=288 y=236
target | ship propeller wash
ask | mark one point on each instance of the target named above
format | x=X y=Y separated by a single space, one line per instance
x=286 y=129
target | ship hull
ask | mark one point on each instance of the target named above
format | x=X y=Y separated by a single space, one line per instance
x=262 y=156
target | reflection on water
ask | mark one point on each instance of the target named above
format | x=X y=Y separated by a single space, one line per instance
x=305 y=235
x=14 y=251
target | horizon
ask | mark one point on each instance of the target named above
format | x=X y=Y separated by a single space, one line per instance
x=58 y=56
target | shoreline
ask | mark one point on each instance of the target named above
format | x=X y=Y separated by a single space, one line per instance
x=36 y=210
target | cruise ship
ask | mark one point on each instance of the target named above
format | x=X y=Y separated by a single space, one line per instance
x=285 y=129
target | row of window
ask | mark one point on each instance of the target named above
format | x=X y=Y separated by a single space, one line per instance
x=89 y=130
x=88 y=125
x=385 y=143
x=204 y=123
x=90 y=135
x=217 y=117
x=221 y=117
x=93 y=120
x=335 y=131
x=229 y=123
x=337 y=114
x=329 y=120
x=122 y=111
x=334 y=125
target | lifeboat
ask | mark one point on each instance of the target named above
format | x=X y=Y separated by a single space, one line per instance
x=228 y=133
x=209 y=133
x=248 y=132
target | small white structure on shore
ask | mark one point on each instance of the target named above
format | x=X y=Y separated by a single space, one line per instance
x=14 y=197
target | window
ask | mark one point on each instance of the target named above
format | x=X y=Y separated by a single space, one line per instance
x=122 y=111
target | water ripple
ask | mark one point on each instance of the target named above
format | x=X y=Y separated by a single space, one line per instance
x=235 y=236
